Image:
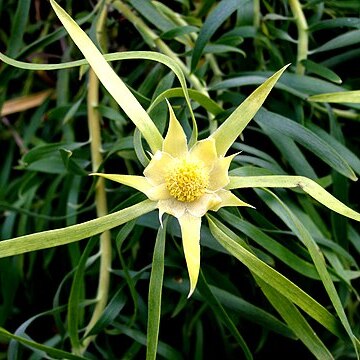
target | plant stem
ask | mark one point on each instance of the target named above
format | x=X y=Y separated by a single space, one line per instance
x=303 y=39
x=153 y=40
x=94 y=120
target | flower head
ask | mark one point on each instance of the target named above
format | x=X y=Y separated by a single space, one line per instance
x=186 y=183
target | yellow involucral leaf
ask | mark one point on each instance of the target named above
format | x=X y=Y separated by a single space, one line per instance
x=233 y=126
x=338 y=97
x=284 y=181
x=114 y=85
x=190 y=232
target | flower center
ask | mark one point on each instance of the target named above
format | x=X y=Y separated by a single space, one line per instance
x=187 y=180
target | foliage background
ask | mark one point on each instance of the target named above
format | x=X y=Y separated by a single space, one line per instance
x=46 y=159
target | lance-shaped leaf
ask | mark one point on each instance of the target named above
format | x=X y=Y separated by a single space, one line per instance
x=114 y=85
x=275 y=279
x=337 y=97
x=227 y=133
x=51 y=238
x=284 y=181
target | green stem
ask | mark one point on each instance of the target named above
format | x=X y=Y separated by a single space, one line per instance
x=257 y=14
x=100 y=194
x=303 y=39
x=153 y=39
x=189 y=39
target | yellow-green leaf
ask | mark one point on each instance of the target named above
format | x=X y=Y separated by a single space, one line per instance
x=233 y=126
x=337 y=97
x=284 y=181
x=110 y=80
x=51 y=238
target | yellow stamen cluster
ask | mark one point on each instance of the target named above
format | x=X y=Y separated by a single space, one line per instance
x=187 y=180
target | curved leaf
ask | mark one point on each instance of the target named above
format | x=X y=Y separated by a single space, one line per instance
x=233 y=126
x=306 y=138
x=51 y=238
x=337 y=97
x=284 y=181
x=275 y=279
x=110 y=80
x=222 y=11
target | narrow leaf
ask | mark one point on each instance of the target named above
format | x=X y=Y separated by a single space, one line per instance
x=303 y=234
x=275 y=279
x=222 y=11
x=223 y=315
x=349 y=38
x=296 y=321
x=77 y=288
x=280 y=124
x=233 y=126
x=284 y=181
x=337 y=97
x=55 y=353
x=51 y=238
x=321 y=70
x=155 y=289
x=110 y=80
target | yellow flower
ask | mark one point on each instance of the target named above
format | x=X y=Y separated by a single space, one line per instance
x=185 y=183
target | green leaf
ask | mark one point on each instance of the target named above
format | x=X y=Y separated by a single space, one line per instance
x=271 y=245
x=222 y=48
x=51 y=238
x=112 y=310
x=18 y=27
x=275 y=279
x=284 y=181
x=179 y=31
x=303 y=234
x=337 y=97
x=296 y=321
x=155 y=289
x=320 y=70
x=61 y=354
x=165 y=350
x=307 y=138
x=300 y=86
x=349 y=38
x=351 y=158
x=209 y=104
x=221 y=12
x=77 y=288
x=223 y=315
x=233 y=126
x=336 y=22
x=151 y=13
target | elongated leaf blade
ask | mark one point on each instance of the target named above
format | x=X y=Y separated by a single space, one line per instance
x=275 y=279
x=155 y=289
x=51 y=238
x=278 y=123
x=56 y=353
x=303 y=234
x=233 y=126
x=338 y=97
x=110 y=80
x=284 y=181
x=296 y=321
x=222 y=11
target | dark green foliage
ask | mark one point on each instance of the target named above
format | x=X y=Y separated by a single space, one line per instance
x=230 y=47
